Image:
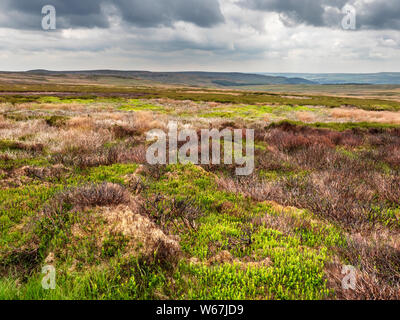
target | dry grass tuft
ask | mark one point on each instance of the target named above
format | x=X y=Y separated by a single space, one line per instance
x=358 y=115
x=145 y=238
x=307 y=117
x=146 y=121
x=54 y=172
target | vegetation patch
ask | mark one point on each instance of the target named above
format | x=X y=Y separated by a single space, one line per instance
x=76 y=192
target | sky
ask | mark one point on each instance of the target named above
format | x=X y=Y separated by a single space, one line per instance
x=203 y=35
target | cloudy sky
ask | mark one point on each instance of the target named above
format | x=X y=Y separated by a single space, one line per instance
x=208 y=35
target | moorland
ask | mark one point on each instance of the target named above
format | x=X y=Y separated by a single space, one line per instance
x=77 y=193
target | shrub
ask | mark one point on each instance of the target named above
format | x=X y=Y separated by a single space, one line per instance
x=14 y=145
x=56 y=121
x=378 y=269
x=121 y=132
x=54 y=172
x=287 y=141
x=101 y=157
x=105 y=194
x=164 y=211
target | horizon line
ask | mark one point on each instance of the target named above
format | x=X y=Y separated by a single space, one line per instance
x=189 y=71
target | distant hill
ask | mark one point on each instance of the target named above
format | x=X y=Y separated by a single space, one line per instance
x=219 y=79
x=344 y=78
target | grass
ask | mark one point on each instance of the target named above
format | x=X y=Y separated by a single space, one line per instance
x=76 y=193
x=138 y=105
x=114 y=173
x=85 y=94
x=296 y=273
x=253 y=111
x=339 y=126
x=292 y=268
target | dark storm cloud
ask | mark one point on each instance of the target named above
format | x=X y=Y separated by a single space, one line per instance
x=381 y=14
x=204 y=13
x=26 y=14
x=376 y=14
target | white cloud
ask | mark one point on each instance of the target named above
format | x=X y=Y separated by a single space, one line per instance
x=248 y=41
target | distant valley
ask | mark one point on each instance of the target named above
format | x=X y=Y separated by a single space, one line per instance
x=344 y=78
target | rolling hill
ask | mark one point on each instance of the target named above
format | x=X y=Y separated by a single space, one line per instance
x=184 y=78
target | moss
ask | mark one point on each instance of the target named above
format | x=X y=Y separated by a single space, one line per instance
x=139 y=105
x=114 y=173
x=297 y=260
x=81 y=100
x=10 y=145
x=278 y=174
x=254 y=111
x=8 y=164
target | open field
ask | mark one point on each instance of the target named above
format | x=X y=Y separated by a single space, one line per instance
x=76 y=192
x=387 y=92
